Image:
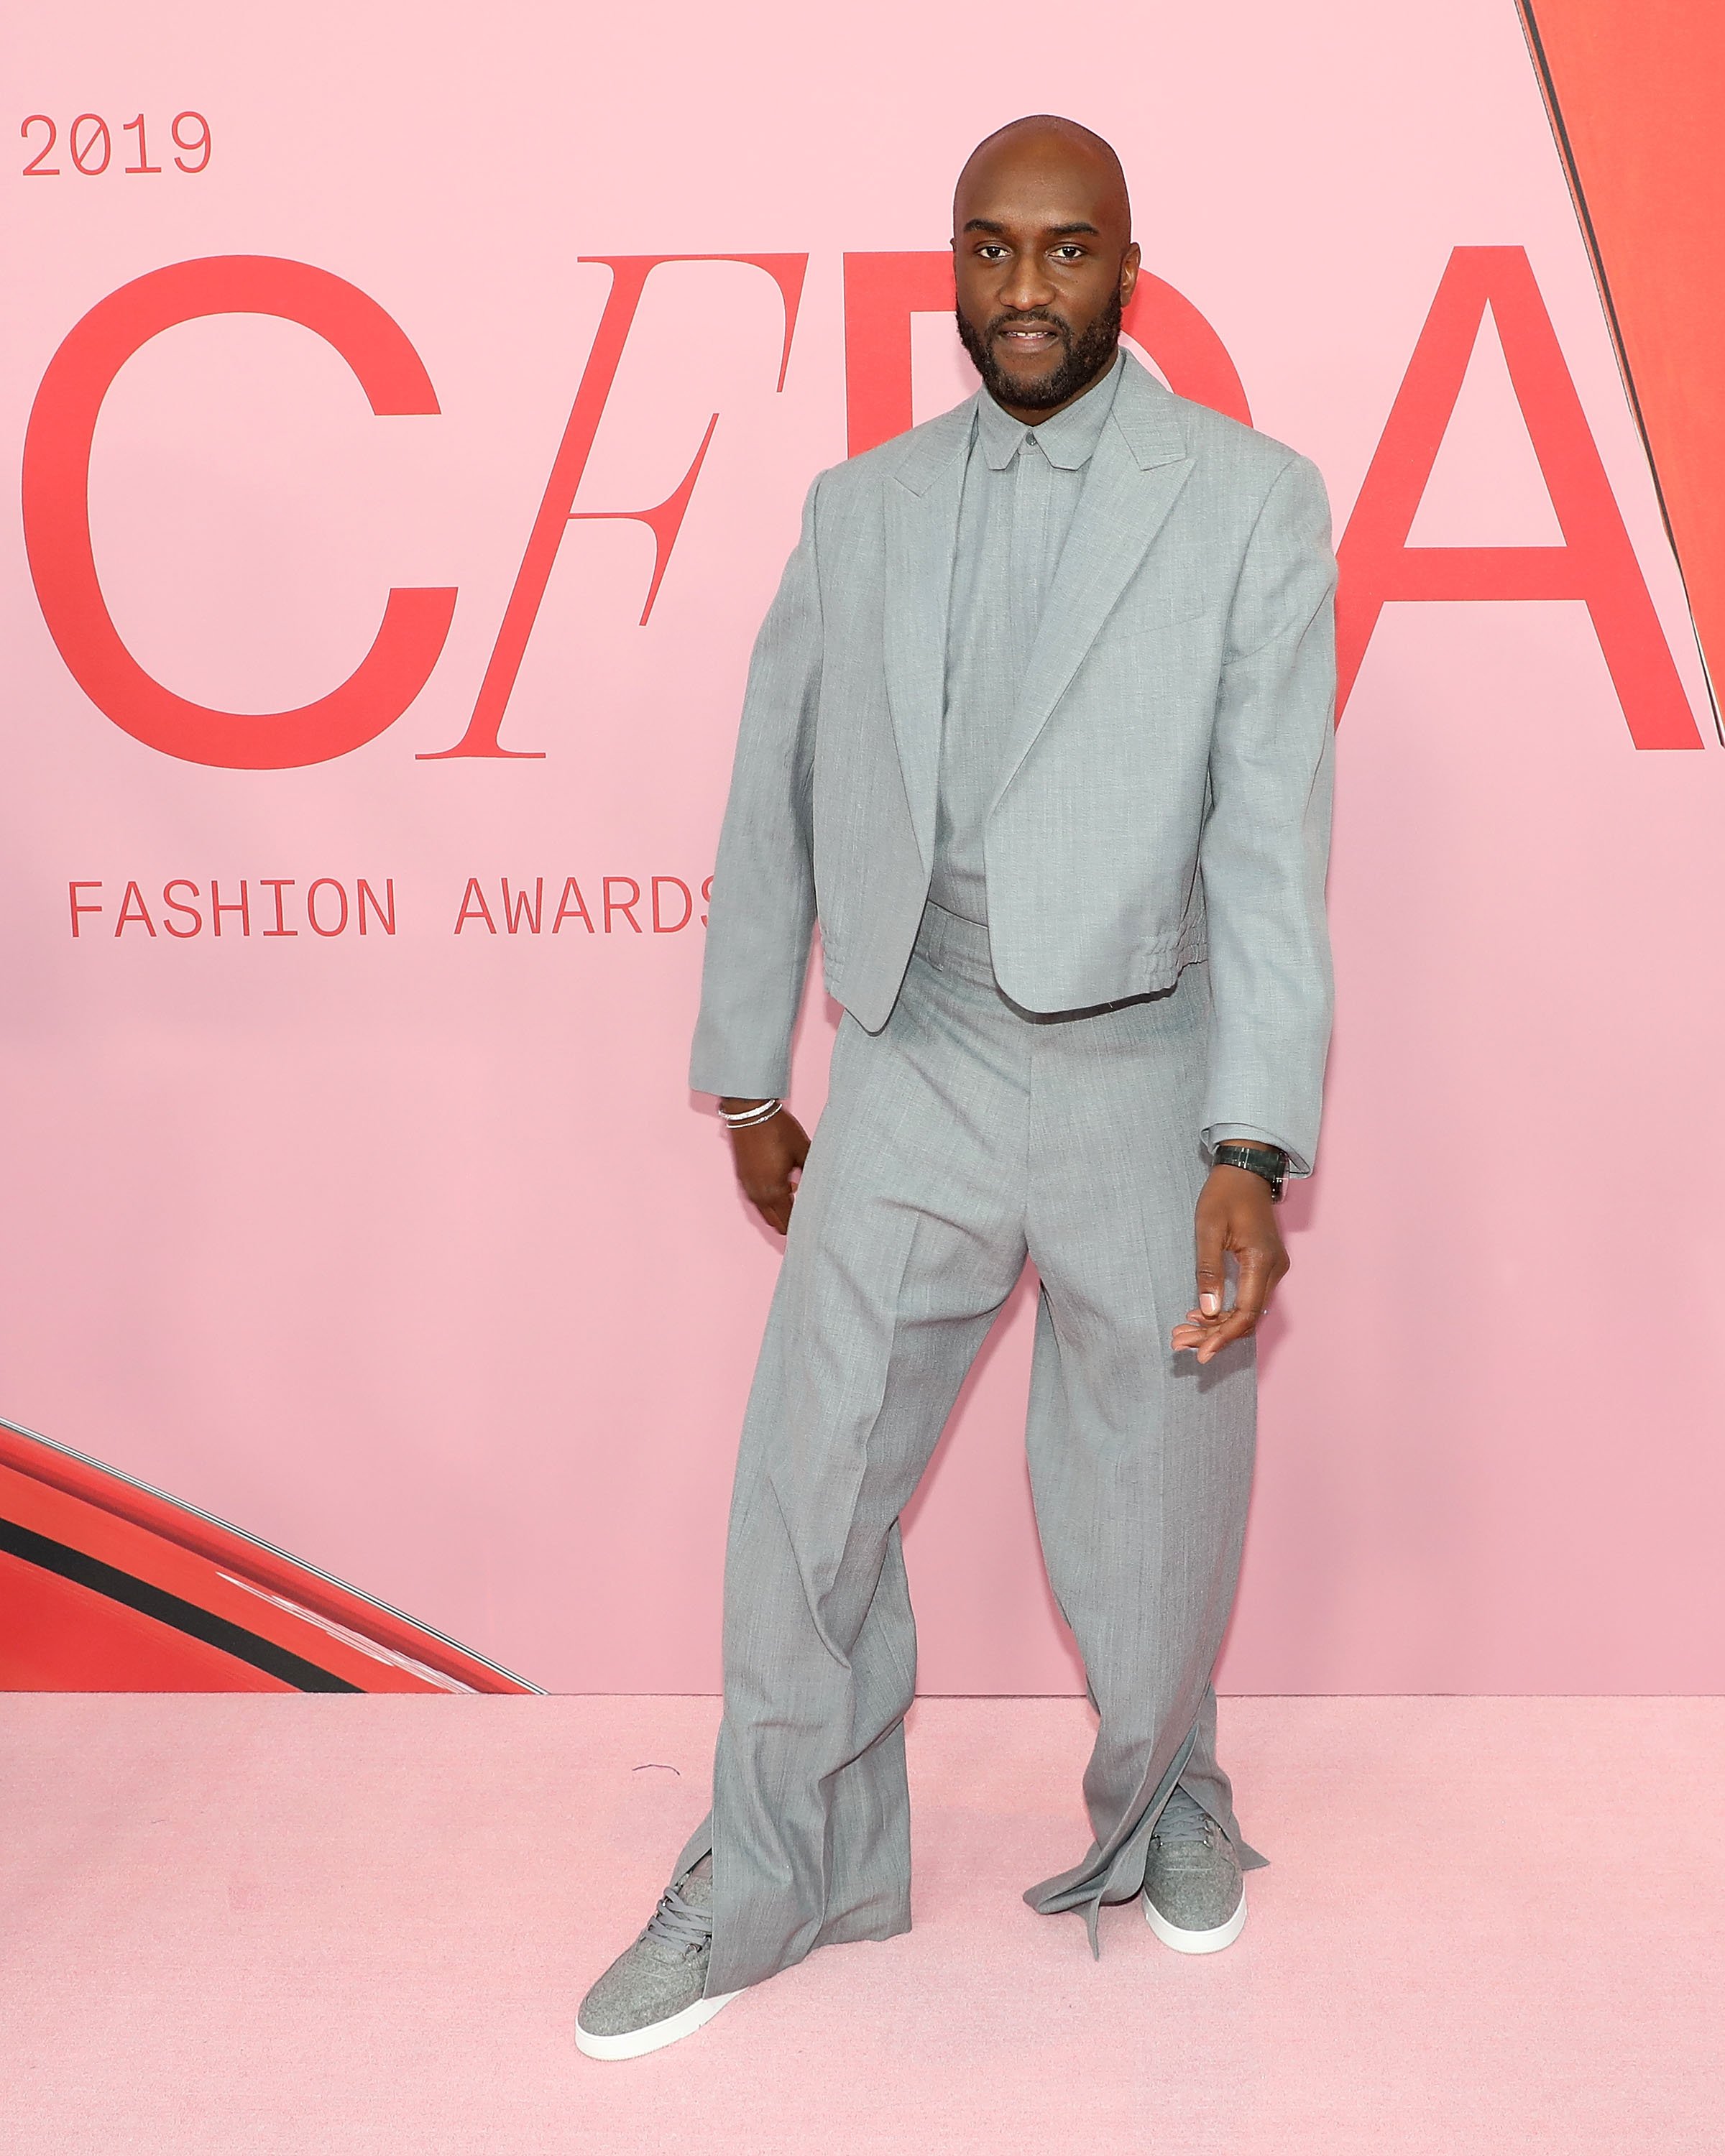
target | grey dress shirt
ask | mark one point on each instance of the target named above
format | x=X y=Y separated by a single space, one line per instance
x=1022 y=486
x=1021 y=489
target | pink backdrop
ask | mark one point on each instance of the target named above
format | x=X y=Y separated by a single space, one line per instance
x=411 y=1252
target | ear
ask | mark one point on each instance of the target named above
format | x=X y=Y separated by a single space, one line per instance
x=1129 y=273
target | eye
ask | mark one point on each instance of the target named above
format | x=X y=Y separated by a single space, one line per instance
x=1068 y=251
x=991 y=250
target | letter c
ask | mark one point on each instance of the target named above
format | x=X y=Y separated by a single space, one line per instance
x=56 y=514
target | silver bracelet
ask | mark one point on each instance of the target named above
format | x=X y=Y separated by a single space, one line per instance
x=745 y=1119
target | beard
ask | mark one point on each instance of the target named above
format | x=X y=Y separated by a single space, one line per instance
x=1085 y=356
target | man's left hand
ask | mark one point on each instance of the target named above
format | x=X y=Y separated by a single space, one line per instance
x=1236 y=1217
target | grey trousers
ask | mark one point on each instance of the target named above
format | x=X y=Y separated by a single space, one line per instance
x=964 y=1137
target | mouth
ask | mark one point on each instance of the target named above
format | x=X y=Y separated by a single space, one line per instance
x=1028 y=340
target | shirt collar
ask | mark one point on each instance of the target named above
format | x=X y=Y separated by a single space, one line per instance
x=1068 y=439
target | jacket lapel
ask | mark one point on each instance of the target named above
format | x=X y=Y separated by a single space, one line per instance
x=922 y=503
x=1136 y=473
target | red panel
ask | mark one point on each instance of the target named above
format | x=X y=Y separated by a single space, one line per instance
x=57 y=1636
x=87 y=1508
x=1637 y=88
x=86 y=1527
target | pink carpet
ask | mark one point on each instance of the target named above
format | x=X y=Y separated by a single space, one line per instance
x=323 y=1925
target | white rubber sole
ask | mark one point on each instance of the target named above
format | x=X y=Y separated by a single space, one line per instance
x=655 y=2035
x=1212 y=1942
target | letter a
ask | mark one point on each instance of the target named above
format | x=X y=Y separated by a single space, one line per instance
x=1595 y=562
x=127 y=915
x=474 y=907
x=578 y=911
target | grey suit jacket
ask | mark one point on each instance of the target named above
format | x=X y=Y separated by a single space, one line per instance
x=1165 y=794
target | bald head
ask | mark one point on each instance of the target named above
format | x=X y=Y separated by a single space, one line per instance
x=1044 y=261
x=1045 y=144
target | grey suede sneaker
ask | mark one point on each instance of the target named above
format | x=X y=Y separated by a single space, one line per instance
x=1195 y=1897
x=655 y=1991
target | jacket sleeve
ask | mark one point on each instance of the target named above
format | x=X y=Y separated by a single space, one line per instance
x=1266 y=838
x=761 y=915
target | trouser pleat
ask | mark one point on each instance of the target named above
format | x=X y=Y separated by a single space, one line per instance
x=962 y=1138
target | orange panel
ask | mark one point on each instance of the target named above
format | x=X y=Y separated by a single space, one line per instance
x=1636 y=89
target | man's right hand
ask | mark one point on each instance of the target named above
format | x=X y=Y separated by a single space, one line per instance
x=769 y=1157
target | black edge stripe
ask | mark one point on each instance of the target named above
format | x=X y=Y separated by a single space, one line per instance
x=110 y=1473
x=170 y=1610
x=1596 y=259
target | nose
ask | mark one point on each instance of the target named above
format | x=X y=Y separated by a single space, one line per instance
x=1027 y=283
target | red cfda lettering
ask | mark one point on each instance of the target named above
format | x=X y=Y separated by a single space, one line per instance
x=56 y=514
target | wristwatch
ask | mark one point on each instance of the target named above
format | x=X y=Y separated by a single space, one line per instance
x=1268 y=1161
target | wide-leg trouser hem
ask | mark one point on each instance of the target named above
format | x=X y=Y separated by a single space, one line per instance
x=1116 y=1873
x=849 y=1928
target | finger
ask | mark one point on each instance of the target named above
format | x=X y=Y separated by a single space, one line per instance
x=1242 y=1321
x=1251 y=1304
x=1223 y=1334
x=1211 y=1279
x=770 y=1196
x=1255 y=1268
x=1199 y=1332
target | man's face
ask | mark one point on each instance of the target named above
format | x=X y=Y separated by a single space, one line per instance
x=1043 y=254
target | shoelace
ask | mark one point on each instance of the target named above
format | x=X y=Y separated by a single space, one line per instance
x=678 y=1923
x=1184 y=1819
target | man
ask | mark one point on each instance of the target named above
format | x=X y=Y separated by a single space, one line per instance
x=1039 y=725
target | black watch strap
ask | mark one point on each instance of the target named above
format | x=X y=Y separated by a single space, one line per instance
x=1268 y=1161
